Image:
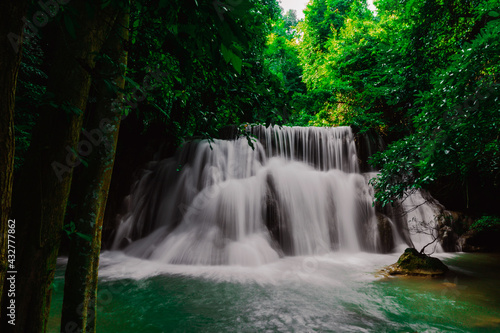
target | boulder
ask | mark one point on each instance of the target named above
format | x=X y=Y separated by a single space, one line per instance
x=452 y=226
x=412 y=262
x=468 y=243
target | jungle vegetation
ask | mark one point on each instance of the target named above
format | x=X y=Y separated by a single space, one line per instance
x=88 y=83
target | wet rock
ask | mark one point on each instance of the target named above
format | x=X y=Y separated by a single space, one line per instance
x=453 y=225
x=448 y=238
x=397 y=215
x=456 y=227
x=277 y=220
x=485 y=241
x=466 y=242
x=412 y=262
x=385 y=233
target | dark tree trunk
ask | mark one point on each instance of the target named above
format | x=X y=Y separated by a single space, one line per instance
x=91 y=185
x=41 y=192
x=10 y=59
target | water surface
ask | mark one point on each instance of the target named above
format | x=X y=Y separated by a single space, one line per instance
x=337 y=292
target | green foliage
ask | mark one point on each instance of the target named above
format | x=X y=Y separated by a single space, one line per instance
x=324 y=18
x=337 y=61
x=457 y=126
x=486 y=223
x=281 y=60
x=398 y=174
x=281 y=57
x=423 y=74
x=212 y=55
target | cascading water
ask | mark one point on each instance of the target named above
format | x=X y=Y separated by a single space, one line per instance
x=421 y=215
x=297 y=192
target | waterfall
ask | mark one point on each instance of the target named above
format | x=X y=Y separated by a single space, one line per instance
x=422 y=212
x=298 y=191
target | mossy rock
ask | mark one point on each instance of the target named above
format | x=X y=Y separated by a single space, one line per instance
x=412 y=262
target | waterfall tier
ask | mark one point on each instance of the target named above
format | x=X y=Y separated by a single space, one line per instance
x=297 y=192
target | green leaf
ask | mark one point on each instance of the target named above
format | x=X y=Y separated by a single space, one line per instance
x=232 y=58
x=493 y=13
x=85 y=237
x=226 y=53
x=84 y=162
x=237 y=62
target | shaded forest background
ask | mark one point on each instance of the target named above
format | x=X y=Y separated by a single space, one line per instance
x=93 y=90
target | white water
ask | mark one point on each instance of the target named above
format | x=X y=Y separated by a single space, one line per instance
x=297 y=193
x=334 y=268
x=324 y=147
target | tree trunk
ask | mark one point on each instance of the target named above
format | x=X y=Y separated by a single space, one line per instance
x=41 y=192
x=10 y=59
x=90 y=189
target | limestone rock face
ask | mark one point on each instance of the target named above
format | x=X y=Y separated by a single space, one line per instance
x=412 y=262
